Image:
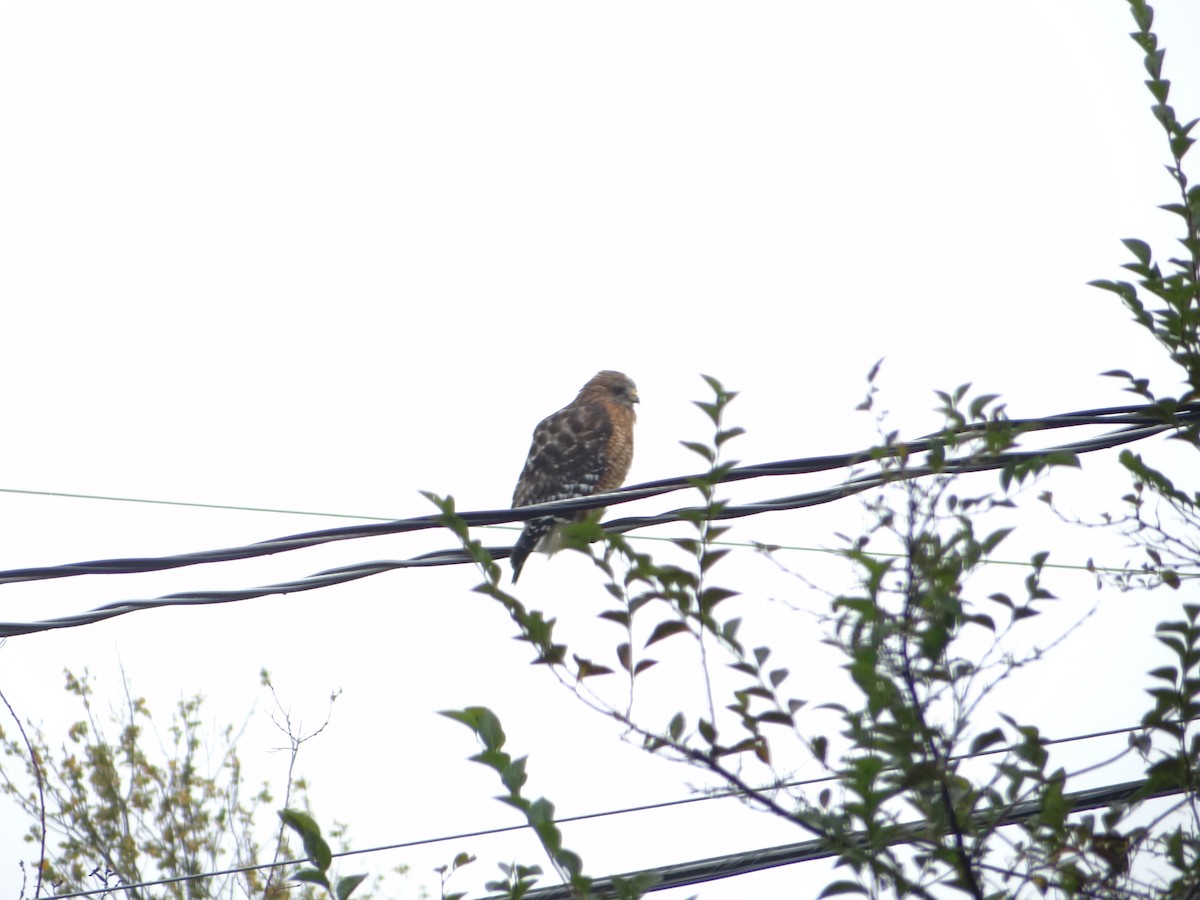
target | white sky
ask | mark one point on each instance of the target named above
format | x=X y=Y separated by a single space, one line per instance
x=323 y=256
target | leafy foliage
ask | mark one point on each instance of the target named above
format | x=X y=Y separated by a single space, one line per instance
x=539 y=814
x=1165 y=301
x=320 y=856
x=930 y=789
x=902 y=746
x=116 y=812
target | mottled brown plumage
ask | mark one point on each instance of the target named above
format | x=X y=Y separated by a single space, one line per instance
x=584 y=448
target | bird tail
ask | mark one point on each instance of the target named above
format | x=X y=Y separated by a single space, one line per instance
x=535 y=530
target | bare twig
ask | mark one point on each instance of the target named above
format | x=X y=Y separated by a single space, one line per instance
x=37 y=774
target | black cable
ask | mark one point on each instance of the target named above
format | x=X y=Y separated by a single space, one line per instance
x=1142 y=425
x=1138 y=427
x=728 y=865
x=488 y=832
x=1140 y=421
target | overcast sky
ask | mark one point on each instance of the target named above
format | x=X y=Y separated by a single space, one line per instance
x=320 y=257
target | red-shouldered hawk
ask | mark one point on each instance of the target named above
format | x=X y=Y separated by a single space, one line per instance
x=584 y=448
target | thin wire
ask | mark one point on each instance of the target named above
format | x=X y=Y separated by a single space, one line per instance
x=488 y=832
x=1140 y=421
x=458 y=556
x=1144 y=426
x=192 y=504
x=744 y=545
x=729 y=865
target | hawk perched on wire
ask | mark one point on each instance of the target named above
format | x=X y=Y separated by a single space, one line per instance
x=584 y=448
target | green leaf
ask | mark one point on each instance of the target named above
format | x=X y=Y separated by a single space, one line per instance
x=624 y=656
x=981 y=619
x=714 y=595
x=311 y=876
x=482 y=721
x=710 y=409
x=992 y=541
x=1169 y=773
x=1153 y=63
x=346 y=886
x=1143 y=15
x=763 y=751
x=838 y=888
x=571 y=862
x=727 y=435
x=1124 y=289
x=1165 y=113
x=981 y=403
x=710 y=597
x=513 y=775
x=586 y=668
x=774 y=717
x=1166 y=673
x=1062 y=458
x=1140 y=249
x=1160 y=88
x=985 y=740
x=701 y=450
x=665 y=630
x=675 y=729
x=1054 y=804
x=315 y=847
x=819 y=746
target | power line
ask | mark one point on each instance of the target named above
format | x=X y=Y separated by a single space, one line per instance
x=744 y=545
x=1139 y=423
x=191 y=504
x=1138 y=427
x=717 y=867
x=1145 y=426
x=489 y=832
